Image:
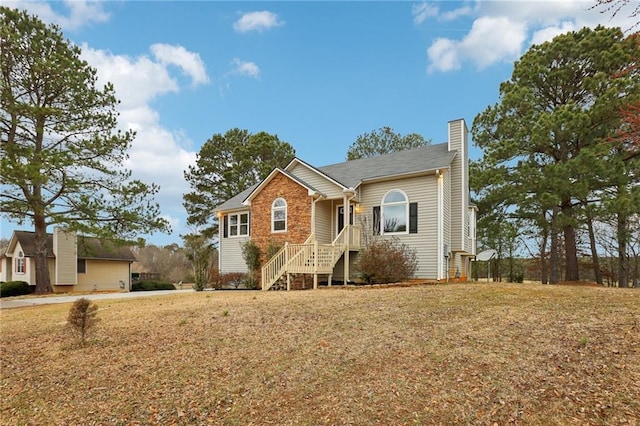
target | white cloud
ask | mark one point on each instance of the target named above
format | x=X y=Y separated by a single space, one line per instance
x=189 y=62
x=80 y=12
x=422 y=11
x=137 y=81
x=548 y=33
x=249 y=69
x=257 y=21
x=502 y=30
x=493 y=40
x=452 y=15
x=443 y=55
x=490 y=40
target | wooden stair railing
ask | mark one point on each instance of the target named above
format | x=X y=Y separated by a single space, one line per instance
x=309 y=257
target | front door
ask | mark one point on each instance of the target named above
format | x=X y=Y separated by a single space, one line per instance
x=340 y=215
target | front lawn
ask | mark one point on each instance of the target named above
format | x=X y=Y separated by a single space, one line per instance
x=448 y=354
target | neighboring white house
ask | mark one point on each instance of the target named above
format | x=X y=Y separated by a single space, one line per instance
x=76 y=263
x=419 y=196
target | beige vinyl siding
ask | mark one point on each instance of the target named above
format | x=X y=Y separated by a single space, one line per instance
x=104 y=275
x=231 y=255
x=458 y=266
x=446 y=212
x=3 y=268
x=338 y=270
x=29 y=270
x=457 y=219
x=464 y=212
x=472 y=231
x=422 y=190
x=317 y=181
x=29 y=274
x=465 y=239
x=324 y=214
x=64 y=248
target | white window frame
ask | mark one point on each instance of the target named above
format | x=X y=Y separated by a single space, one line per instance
x=275 y=209
x=383 y=207
x=21 y=265
x=238 y=225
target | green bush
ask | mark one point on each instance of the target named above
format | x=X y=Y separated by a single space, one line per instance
x=387 y=261
x=250 y=283
x=198 y=286
x=518 y=277
x=152 y=285
x=14 y=288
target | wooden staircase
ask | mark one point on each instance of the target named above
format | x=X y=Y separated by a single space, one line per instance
x=309 y=257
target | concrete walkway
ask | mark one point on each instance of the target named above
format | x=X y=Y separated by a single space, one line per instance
x=10 y=302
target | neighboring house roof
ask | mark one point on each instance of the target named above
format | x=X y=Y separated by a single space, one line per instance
x=352 y=173
x=88 y=247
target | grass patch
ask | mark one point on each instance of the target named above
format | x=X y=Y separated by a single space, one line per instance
x=454 y=354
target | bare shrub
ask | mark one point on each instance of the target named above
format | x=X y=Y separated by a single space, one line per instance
x=82 y=319
x=214 y=278
x=387 y=261
x=233 y=279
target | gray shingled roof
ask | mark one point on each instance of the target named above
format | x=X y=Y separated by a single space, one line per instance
x=236 y=201
x=426 y=158
x=88 y=247
x=351 y=173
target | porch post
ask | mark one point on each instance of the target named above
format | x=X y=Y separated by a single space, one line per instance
x=345 y=212
x=315 y=265
x=313 y=216
x=286 y=249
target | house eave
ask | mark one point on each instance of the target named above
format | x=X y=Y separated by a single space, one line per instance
x=315 y=170
x=243 y=208
x=420 y=173
x=310 y=190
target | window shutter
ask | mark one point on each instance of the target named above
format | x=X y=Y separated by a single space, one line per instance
x=376 y=220
x=225 y=226
x=413 y=218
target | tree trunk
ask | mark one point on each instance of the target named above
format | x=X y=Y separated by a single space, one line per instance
x=43 y=283
x=554 y=273
x=623 y=259
x=570 y=248
x=594 y=251
x=544 y=267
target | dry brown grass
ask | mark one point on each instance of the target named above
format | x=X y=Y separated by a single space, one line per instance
x=454 y=354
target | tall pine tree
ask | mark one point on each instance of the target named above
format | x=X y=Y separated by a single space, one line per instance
x=543 y=140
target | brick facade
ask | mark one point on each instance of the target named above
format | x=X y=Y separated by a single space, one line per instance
x=298 y=213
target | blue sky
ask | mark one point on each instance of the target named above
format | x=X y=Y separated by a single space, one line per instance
x=317 y=74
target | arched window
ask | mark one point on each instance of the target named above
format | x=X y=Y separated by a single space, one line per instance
x=20 y=264
x=279 y=215
x=395 y=212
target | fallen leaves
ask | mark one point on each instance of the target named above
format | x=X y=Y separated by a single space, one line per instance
x=462 y=353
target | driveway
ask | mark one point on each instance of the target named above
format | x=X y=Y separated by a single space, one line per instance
x=9 y=302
